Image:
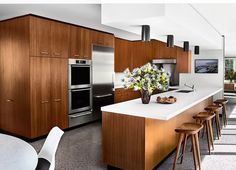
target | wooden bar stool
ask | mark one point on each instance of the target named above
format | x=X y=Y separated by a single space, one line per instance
x=215 y=109
x=205 y=118
x=223 y=103
x=185 y=130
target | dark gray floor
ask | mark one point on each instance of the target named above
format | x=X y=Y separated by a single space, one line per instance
x=80 y=149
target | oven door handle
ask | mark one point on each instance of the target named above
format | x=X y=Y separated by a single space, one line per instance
x=79 y=114
x=81 y=89
x=102 y=96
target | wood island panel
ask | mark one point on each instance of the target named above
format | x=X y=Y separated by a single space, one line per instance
x=138 y=143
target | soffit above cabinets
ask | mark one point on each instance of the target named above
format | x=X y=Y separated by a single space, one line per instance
x=181 y=20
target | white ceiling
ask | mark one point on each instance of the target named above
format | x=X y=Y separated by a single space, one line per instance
x=198 y=23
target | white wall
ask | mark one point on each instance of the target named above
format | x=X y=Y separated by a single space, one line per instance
x=206 y=80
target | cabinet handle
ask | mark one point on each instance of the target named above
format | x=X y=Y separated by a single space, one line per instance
x=76 y=55
x=57 y=100
x=9 y=100
x=56 y=54
x=44 y=52
x=44 y=101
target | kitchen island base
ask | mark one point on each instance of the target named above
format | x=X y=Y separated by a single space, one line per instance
x=139 y=143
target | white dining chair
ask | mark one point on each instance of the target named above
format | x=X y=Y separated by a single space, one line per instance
x=48 y=151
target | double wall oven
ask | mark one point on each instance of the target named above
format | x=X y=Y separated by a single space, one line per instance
x=80 y=90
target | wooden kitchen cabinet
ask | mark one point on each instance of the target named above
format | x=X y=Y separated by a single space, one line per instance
x=40 y=95
x=122 y=95
x=161 y=51
x=123 y=57
x=48 y=94
x=183 y=61
x=40 y=37
x=49 y=38
x=141 y=53
x=101 y=38
x=59 y=92
x=80 y=43
x=60 y=36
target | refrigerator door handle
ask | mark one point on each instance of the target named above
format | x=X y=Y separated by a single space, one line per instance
x=101 y=96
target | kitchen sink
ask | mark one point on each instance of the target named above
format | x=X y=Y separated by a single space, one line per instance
x=184 y=91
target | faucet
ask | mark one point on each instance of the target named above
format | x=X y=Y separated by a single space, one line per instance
x=192 y=87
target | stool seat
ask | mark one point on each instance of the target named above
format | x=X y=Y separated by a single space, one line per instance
x=189 y=128
x=222 y=101
x=213 y=108
x=204 y=116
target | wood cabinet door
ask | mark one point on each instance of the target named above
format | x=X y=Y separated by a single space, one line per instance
x=183 y=61
x=103 y=39
x=122 y=55
x=75 y=42
x=59 y=92
x=141 y=53
x=40 y=36
x=40 y=88
x=60 y=35
x=86 y=43
x=161 y=51
x=80 y=43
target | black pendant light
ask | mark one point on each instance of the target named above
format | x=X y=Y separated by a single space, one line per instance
x=170 y=40
x=145 y=33
x=196 y=50
x=186 y=46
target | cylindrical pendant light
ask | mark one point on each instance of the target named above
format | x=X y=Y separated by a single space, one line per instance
x=186 y=46
x=196 y=50
x=145 y=33
x=170 y=40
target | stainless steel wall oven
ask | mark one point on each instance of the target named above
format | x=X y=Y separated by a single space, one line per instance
x=80 y=90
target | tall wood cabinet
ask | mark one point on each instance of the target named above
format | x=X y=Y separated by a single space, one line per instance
x=33 y=79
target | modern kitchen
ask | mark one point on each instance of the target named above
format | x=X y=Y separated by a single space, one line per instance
x=86 y=86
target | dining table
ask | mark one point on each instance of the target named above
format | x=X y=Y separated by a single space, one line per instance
x=16 y=154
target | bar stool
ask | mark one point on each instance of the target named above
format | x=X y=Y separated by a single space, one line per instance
x=205 y=118
x=185 y=130
x=223 y=102
x=215 y=109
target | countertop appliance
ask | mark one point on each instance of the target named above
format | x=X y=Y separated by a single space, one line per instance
x=80 y=91
x=169 y=65
x=103 y=78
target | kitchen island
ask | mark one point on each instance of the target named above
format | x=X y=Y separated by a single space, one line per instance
x=136 y=136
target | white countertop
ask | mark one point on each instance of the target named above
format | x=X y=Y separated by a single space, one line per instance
x=155 y=110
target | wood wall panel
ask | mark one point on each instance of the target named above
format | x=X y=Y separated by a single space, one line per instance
x=184 y=61
x=14 y=80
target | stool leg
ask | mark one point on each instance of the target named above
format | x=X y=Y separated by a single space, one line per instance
x=218 y=122
x=184 y=148
x=217 y=128
x=198 y=151
x=208 y=137
x=178 y=149
x=211 y=134
x=194 y=151
x=225 y=115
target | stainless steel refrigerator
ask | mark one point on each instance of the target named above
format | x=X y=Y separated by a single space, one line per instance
x=103 y=78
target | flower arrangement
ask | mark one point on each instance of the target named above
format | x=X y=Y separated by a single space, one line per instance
x=146 y=79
